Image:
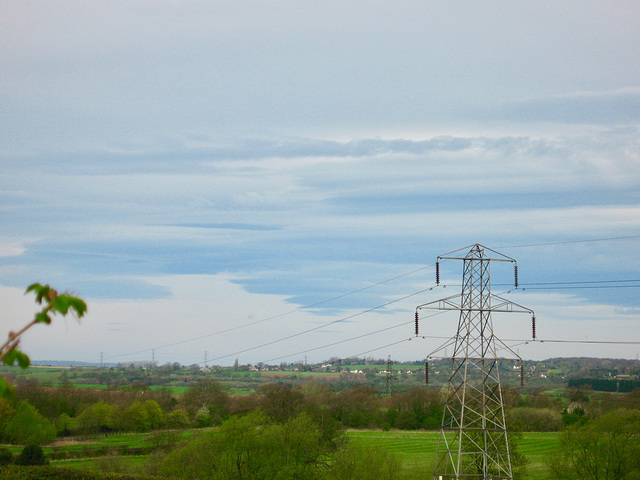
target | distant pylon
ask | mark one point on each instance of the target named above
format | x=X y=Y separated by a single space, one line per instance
x=473 y=437
x=389 y=378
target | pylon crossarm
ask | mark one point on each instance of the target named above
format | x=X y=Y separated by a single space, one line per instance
x=443 y=301
x=448 y=256
x=506 y=347
x=442 y=347
x=503 y=305
x=510 y=306
x=477 y=359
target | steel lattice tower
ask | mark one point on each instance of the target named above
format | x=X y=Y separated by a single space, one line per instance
x=473 y=438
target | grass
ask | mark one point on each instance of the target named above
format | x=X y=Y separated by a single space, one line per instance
x=417 y=449
x=537 y=446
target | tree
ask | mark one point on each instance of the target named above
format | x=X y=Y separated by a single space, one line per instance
x=207 y=394
x=54 y=303
x=280 y=402
x=6 y=457
x=358 y=407
x=6 y=413
x=252 y=447
x=64 y=423
x=605 y=448
x=154 y=414
x=527 y=419
x=134 y=418
x=31 y=455
x=177 y=418
x=97 y=417
x=415 y=409
x=27 y=426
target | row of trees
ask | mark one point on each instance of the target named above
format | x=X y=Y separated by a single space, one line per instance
x=258 y=446
x=67 y=410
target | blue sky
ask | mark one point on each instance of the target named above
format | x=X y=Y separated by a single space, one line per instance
x=196 y=167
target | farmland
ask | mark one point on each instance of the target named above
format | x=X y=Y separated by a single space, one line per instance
x=125 y=419
x=415 y=449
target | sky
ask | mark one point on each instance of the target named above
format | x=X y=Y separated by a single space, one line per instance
x=274 y=181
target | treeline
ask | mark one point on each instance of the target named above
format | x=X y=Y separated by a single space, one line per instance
x=622 y=385
x=38 y=413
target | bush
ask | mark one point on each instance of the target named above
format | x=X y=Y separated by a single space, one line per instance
x=607 y=447
x=251 y=447
x=15 y=472
x=31 y=455
x=29 y=427
x=6 y=457
x=527 y=419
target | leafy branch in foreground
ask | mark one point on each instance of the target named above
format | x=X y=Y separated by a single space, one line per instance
x=54 y=303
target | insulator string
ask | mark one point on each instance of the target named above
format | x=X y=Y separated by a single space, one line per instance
x=426 y=372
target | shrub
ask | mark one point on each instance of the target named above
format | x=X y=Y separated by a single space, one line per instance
x=527 y=419
x=6 y=457
x=29 y=427
x=31 y=455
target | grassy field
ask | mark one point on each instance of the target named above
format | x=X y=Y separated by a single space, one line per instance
x=416 y=450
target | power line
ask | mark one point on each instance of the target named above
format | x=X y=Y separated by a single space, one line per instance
x=538 y=286
x=351 y=339
x=323 y=325
x=566 y=242
x=306 y=307
x=577 y=283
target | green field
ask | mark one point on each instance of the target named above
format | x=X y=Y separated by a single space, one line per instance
x=415 y=449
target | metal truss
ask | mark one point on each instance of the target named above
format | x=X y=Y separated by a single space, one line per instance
x=473 y=438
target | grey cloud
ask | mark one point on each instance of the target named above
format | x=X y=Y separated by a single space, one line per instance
x=619 y=107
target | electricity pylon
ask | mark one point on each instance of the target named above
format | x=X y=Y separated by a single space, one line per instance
x=473 y=437
x=388 y=385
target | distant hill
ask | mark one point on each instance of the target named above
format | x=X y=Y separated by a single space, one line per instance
x=68 y=363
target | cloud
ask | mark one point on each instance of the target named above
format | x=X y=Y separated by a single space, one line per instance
x=304 y=152
x=612 y=107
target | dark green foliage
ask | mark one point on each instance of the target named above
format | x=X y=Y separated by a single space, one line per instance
x=606 y=384
x=574 y=414
x=207 y=399
x=15 y=472
x=252 y=447
x=27 y=426
x=280 y=402
x=6 y=457
x=528 y=419
x=607 y=448
x=415 y=409
x=15 y=356
x=55 y=303
x=357 y=408
x=31 y=455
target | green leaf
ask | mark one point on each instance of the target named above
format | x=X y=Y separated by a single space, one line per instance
x=42 y=317
x=23 y=359
x=78 y=305
x=9 y=358
x=60 y=304
x=6 y=390
x=63 y=302
x=33 y=287
x=41 y=291
x=16 y=356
